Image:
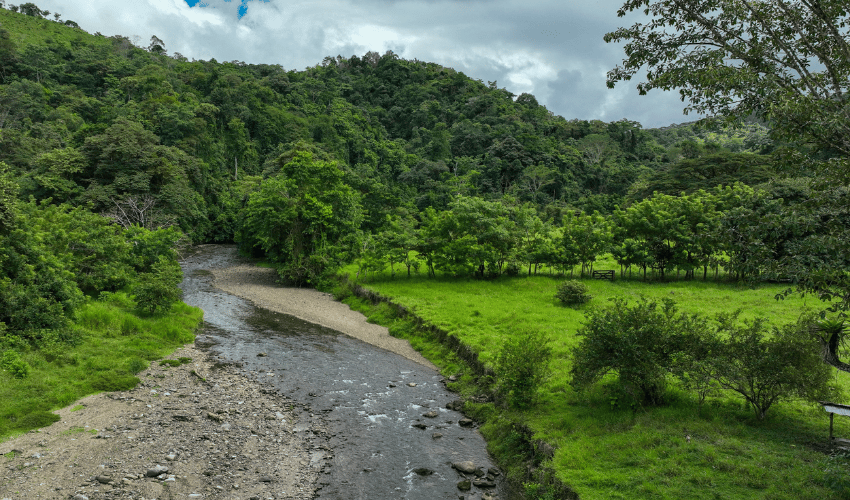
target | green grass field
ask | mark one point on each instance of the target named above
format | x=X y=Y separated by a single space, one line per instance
x=605 y=450
x=116 y=343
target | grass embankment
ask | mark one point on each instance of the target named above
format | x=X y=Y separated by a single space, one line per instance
x=604 y=449
x=114 y=344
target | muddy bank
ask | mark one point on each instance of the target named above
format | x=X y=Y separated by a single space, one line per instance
x=197 y=430
x=259 y=286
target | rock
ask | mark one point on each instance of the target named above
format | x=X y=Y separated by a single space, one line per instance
x=171 y=457
x=80 y=496
x=423 y=471
x=420 y=426
x=183 y=417
x=411 y=384
x=225 y=427
x=479 y=472
x=464 y=485
x=431 y=414
x=484 y=483
x=266 y=479
x=156 y=470
x=436 y=435
x=456 y=405
x=213 y=416
x=453 y=378
x=261 y=354
x=467 y=467
x=466 y=422
x=104 y=479
x=493 y=472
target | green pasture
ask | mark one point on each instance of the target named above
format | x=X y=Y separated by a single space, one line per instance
x=605 y=448
x=115 y=343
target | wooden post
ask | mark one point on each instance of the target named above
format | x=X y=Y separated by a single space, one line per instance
x=831 y=417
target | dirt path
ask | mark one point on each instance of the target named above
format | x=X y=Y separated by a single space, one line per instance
x=259 y=285
x=212 y=431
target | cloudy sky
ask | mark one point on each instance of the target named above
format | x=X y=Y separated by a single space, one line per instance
x=550 y=48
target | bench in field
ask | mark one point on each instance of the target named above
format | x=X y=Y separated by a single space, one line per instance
x=603 y=275
x=833 y=409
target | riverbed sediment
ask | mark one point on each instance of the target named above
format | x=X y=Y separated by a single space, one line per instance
x=259 y=285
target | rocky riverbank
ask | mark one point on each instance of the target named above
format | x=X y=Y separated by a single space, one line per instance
x=196 y=430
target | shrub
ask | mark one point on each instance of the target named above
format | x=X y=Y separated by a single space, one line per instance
x=573 y=292
x=159 y=289
x=521 y=366
x=765 y=367
x=638 y=342
x=11 y=361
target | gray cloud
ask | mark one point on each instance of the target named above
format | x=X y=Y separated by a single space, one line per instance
x=552 y=49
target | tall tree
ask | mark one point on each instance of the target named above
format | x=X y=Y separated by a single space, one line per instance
x=785 y=60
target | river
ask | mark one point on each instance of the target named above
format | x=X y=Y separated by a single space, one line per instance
x=367 y=404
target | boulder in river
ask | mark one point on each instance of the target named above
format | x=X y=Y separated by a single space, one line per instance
x=467 y=466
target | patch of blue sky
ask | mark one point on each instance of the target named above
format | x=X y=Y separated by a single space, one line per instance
x=241 y=11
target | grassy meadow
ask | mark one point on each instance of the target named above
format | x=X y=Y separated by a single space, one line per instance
x=606 y=449
x=114 y=343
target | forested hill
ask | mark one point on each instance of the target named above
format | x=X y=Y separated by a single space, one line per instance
x=98 y=122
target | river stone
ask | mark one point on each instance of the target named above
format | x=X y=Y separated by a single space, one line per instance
x=456 y=405
x=467 y=467
x=411 y=384
x=420 y=426
x=261 y=354
x=423 y=471
x=266 y=479
x=493 y=471
x=104 y=479
x=213 y=416
x=436 y=435
x=156 y=470
x=484 y=483
x=466 y=422
x=431 y=414
x=183 y=417
x=464 y=485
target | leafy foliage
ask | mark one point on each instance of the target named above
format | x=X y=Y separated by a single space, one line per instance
x=159 y=289
x=638 y=342
x=573 y=292
x=783 y=61
x=521 y=366
x=768 y=367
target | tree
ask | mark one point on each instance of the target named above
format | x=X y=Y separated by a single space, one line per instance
x=638 y=342
x=156 y=46
x=302 y=218
x=522 y=366
x=31 y=9
x=585 y=238
x=787 y=61
x=159 y=289
x=768 y=367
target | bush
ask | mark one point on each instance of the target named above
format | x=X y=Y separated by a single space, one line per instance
x=765 y=366
x=638 y=342
x=11 y=361
x=572 y=293
x=521 y=366
x=159 y=289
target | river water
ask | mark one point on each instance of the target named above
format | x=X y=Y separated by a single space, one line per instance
x=364 y=401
